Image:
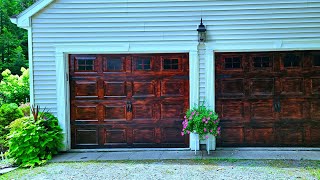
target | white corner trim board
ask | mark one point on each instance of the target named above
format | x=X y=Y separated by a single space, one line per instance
x=31 y=72
x=210 y=78
x=62 y=71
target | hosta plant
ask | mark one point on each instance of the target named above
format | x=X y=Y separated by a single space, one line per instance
x=201 y=120
x=34 y=140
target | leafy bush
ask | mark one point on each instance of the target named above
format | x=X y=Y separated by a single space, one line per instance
x=14 y=88
x=34 y=141
x=8 y=113
x=25 y=108
x=202 y=121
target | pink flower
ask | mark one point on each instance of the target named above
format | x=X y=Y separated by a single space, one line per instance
x=182 y=133
x=185 y=117
x=203 y=120
x=205 y=129
x=193 y=113
x=210 y=113
x=188 y=132
x=206 y=122
x=207 y=137
x=211 y=130
x=208 y=118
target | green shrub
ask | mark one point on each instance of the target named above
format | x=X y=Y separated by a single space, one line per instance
x=14 y=88
x=33 y=142
x=8 y=113
x=25 y=108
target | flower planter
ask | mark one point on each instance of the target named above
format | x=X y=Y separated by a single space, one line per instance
x=201 y=122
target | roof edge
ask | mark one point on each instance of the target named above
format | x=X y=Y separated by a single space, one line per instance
x=23 y=19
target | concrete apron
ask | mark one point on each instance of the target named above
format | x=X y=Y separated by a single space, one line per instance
x=79 y=155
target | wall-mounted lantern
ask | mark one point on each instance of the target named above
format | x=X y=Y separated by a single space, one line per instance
x=202 y=32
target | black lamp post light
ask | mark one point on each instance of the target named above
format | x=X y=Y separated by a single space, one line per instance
x=202 y=32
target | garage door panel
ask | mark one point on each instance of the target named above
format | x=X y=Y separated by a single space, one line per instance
x=262 y=111
x=292 y=109
x=143 y=112
x=86 y=89
x=172 y=111
x=292 y=86
x=172 y=135
x=115 y=89
x=290 y=136
x=262 y=86
x=315 y=135
x=233 y=111
x=115 y=112
x=115 y=137
x=172 y=88
x=144 y=89
x=260 y=136
x=144 y=135
x=85 y=136
x=232 y=136
x=86 y=113
x=232 y=87
x=315 y=110
x=315 y=85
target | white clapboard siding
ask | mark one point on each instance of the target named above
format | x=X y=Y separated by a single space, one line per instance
x=163 y=21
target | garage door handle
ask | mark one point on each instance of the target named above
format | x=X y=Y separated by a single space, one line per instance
x=129 y=106
x=277 y=105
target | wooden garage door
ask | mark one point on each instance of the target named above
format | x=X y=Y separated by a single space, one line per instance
x=128 y=100
x=269 y=98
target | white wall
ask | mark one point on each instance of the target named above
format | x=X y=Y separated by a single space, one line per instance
x=232 y=25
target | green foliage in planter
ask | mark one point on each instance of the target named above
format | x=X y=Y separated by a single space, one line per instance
x=34 y=141
x=202 y=121
x=8 y=113
x=14 y=88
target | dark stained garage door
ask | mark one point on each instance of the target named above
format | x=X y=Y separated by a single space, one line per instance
x=269 y=98
x=128 y=100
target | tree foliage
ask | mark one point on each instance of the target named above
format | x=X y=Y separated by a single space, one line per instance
x=13 y=40
x=14 y=88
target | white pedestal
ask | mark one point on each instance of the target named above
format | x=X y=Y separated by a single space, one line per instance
x=195 y=142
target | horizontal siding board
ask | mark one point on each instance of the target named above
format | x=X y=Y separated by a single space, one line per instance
x=116 y=39
x=164 y=21
x=181 y=18
x=176 y=14
x=210 y=24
